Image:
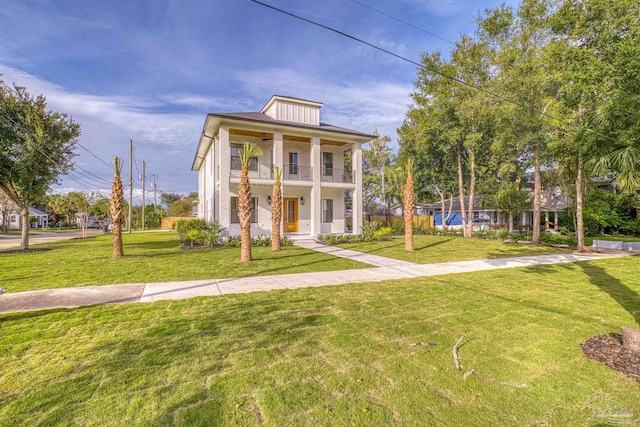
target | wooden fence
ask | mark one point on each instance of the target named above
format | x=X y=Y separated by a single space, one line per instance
x=169 y=222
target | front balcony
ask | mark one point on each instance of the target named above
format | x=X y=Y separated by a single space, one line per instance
x=338 y=175
x=256 y=170
x=265 y=171
x=297 y=173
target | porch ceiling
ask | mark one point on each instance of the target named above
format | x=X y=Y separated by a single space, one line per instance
x=242 y=132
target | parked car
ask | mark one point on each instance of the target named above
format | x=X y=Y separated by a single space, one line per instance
x=92 y=223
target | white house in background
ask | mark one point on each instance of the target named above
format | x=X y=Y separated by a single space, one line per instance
x=321 y=163
x=15 y=219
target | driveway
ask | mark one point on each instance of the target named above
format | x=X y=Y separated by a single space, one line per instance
x=13 y=241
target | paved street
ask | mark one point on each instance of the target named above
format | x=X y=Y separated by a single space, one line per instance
x=13 y=241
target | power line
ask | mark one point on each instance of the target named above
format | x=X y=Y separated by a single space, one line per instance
x=438 y=72
x=403 y=22
x=88 y=151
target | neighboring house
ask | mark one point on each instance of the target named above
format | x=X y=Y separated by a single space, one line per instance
x=41 y=219
x=320 y=162
x=552 y=203
x=7 y=208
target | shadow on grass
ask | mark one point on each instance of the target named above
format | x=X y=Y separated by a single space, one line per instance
x=618 y=291
x=398 y=243
x=626 y=297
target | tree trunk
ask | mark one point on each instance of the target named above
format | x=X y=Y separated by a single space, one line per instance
x=537 y=194
x=276 y=215
x=510 y=223
x=408 y=202
x=579 y=206
x=463 y=210
x=631 y=339
x=244 y=212
x=24 y=241
x=472 y=188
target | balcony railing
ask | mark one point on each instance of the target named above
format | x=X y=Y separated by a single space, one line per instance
x=337 y=175
x=297 y=173
x=256 y=170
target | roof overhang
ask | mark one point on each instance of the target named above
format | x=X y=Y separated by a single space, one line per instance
x=213 y=122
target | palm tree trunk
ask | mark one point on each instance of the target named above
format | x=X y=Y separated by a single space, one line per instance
x=276 y=215
x=409 y=202
x=116 y=208
x=244 y=212
x=537 y=195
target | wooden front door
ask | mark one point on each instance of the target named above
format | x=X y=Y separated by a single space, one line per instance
x=290 y=215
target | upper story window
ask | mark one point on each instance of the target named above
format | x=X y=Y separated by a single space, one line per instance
x=293 y=163
x=236 y=151
x=327 y=164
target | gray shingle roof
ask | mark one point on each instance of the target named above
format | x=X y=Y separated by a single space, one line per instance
x=263 y=118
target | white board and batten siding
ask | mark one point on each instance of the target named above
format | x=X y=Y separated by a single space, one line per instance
x=292 y=111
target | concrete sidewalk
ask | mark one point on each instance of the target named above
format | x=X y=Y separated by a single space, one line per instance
x=386 y=269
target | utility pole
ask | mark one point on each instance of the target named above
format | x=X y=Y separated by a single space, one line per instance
x=130 y=182
x=143 y=194
x=155 y=188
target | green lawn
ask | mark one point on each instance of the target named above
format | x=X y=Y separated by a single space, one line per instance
x=432 y=249
x=150 y=257
x=334 y=356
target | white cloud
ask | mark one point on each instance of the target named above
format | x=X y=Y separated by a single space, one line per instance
x=165 y=140
x=362 y=105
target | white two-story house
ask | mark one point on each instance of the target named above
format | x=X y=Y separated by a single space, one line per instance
x=321 y=168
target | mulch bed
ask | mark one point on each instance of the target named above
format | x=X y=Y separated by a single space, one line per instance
x=20 y=251
x=608 y=349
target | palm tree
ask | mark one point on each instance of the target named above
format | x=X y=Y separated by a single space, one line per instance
x=276 y=210
x=408 y=201
x=116 y=207
x=249 y=151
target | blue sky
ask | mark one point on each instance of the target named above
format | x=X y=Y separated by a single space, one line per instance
x=150 y=70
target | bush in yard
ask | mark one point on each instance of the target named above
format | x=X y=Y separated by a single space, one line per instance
x=552 y=239
x=370 y=227
x=631 y=227
x=194 y=235
x=209 y=235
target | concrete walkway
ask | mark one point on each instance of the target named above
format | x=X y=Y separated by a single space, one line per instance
x=385 y=269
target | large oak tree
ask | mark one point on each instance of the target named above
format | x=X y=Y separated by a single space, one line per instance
x=36 y=148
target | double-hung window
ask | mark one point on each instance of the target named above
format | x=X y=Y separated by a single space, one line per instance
x=235 y=219
x=327 y=210
x=327 y=164
x=293 y=163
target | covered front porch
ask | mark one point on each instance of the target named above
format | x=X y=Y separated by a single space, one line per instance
x=304 y=212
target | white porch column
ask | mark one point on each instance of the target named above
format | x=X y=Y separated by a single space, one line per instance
x=357 y=193
x=225 y=172
x=278 y=160
x=316 y=190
